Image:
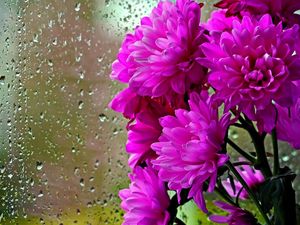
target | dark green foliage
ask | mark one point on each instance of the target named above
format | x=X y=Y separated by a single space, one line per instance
x=278 y=193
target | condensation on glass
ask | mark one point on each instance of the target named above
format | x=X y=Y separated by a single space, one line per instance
x=62 y=158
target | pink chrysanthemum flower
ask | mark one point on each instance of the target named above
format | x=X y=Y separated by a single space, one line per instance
x=159 y=57
x=280 y=10
x=144 y=131
x=129 y=103
x=237 y=216
x=288 y=125
x=189 y=148
x=252 y=177
x=254 y=66
x=218 y=23
x=146 y=201
x=143 y=127
x=141 y=134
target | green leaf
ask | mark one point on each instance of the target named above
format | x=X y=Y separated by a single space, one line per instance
x=278 y=193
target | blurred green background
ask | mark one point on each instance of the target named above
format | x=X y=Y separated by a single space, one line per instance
x=62 y=158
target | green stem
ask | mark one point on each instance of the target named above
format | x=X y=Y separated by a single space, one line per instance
x=276 y=165
x=258 y=141
x=241 y=151
x=221 y=191
x=250 y=192
x=242 y=163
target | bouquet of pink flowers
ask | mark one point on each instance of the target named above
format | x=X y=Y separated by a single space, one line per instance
x=188 y=83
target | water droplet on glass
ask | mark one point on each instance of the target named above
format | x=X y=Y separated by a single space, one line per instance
x=99 y=59
x=81 y=182
x=42 y=115
x=76 y=171
x=81 y=75
x=77 y=7
x=2 y=79
x=39 y=165
x=50 y=63
x=54 y=42
x=103 y=117
x=80 y=104
x=97 y=163
x=2 y=169
x=41 y=194
x=35 y=38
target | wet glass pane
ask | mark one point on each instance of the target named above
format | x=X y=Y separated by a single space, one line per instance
x=62 y=158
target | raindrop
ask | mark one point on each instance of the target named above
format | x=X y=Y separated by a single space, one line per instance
x=39 y=165
x=97 y=163
x=99 y=59
x=42 y=115
x=80 y=104
x=77 y=7
x=50 y=63
x=81 y=75
x=103 y=117
x=54 y=42
x=73 y=150
x=76 y=171
x=81 y=182
x=35 y=38
x=41 y=194
x=2 y=79
x=2 y=169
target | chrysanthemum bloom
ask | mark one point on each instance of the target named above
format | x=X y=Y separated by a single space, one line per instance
x=280 y=10
x=143 y=132
x=252 y=177
x=143 y=127
x=189 y=148
x=254 y=66
x=129 y=103
x=159 y=58
x=237 y=216
x=218 y=23
x=288 y=125
x=146 y=201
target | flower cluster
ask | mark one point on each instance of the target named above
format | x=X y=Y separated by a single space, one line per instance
x=187 y=83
